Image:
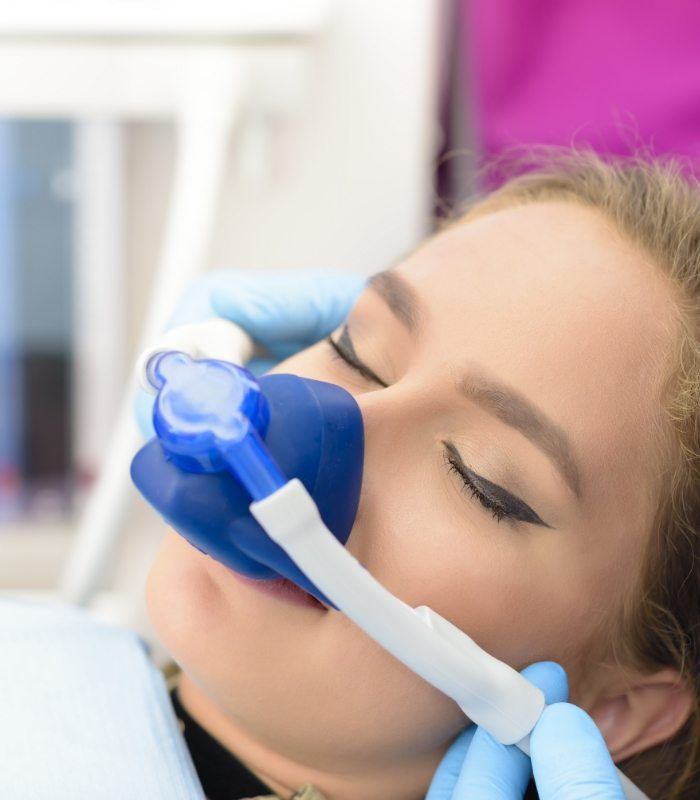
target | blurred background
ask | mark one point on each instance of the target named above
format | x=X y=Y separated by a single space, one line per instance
x=137 y=135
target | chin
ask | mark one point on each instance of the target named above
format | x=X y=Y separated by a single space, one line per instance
x=284 y=673
x=226 y=637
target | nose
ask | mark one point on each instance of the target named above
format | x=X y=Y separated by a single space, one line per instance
x=394 y=419
x=313 y=433
x=394 y=415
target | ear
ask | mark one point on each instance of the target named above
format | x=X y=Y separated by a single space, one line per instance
x=645 y=714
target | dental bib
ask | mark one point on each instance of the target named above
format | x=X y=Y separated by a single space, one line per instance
x=264 y=476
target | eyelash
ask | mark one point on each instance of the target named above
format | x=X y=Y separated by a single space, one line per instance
x=339 y=352
x=498 y=512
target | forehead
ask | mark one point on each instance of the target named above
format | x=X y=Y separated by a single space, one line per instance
x=552 y=250
x=552 y=300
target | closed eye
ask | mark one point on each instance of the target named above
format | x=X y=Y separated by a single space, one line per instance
x=345 y=350
x=494 y=498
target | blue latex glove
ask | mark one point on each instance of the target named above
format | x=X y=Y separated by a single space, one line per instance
x=570 y=760
x=284 y=312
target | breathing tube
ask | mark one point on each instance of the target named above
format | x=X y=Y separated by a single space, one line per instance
x=264 y=476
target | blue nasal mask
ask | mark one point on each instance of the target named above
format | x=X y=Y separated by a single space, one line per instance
x=265 y=475
x=224 y=438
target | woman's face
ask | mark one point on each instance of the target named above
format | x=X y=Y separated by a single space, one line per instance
x=524 y=350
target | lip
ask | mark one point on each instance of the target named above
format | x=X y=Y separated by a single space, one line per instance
x=282 y=589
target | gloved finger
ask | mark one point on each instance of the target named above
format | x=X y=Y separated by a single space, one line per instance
x=259 y=366
x=285 y=348
x=570 y=760
x=282 y=350
x=195 y=304
x=286 y=313
x=493 y=771
x=302 y=306
x=143 y=402
x=551 y=678
x=143 y=409
x=443 y=782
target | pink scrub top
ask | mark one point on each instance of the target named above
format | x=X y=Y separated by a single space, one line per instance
x=612 y=74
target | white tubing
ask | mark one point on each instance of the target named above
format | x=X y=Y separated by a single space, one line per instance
x=492 y=694
x=213 y=338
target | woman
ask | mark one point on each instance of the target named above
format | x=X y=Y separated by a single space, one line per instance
x=529 y=381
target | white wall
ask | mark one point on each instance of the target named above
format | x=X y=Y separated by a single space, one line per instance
x=344 y=180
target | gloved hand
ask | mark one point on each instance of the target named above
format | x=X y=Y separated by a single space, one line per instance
x=570 y=760
x=283 y=312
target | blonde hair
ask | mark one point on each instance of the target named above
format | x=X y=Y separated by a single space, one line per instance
x=658 y=210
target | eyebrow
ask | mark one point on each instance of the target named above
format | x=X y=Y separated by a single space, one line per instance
x=398 y=294
x=518 y=412
x=504 y=402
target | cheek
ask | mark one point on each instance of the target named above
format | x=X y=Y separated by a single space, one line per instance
x=524 y=596
x=319 y=363
x=209 y=622
x=181 y=595
x=314 y=362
